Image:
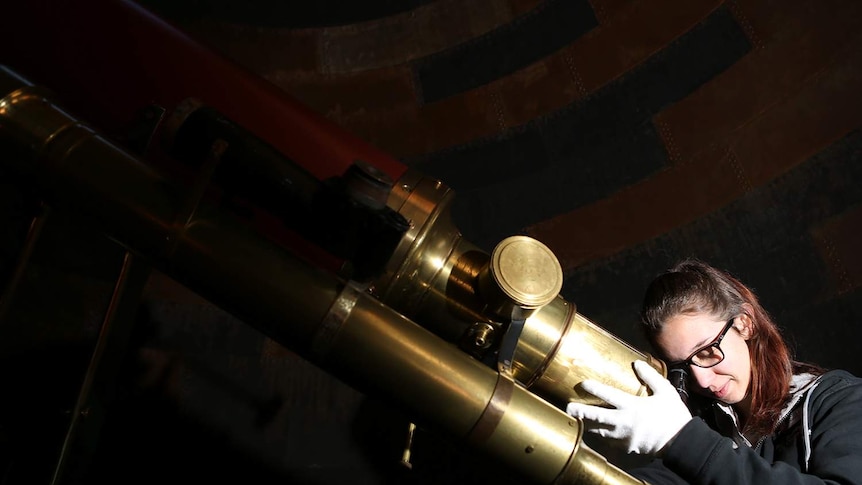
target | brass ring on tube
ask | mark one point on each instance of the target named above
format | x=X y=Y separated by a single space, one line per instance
x=326 y=333
x=493 y=413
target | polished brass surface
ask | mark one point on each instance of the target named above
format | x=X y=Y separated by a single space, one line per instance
x=415 y=282
x=29 y=118
x=465 y=398
x=408 y=446
x=479 y=338
x=589 y=467
x=540 y=338
x=523 y=275
x=341 y=327
x=559 y=348
x=446 y=284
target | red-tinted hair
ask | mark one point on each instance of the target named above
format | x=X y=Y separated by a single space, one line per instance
x=691 y=287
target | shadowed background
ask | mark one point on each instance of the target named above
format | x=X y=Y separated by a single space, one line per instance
x=624 y=134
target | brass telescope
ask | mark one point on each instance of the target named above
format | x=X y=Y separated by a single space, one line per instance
x=502 y=308
x=477 y=346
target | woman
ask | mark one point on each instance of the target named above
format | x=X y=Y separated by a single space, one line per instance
x=754 y=415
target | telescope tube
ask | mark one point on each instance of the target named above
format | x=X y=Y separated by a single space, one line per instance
x=334 y=324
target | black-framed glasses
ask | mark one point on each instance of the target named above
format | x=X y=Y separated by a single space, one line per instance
x=710 y=355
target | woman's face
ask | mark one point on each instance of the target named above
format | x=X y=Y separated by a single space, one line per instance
x=729 y=380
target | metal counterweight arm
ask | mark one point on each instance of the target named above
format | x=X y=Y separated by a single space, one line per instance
x=336 y=325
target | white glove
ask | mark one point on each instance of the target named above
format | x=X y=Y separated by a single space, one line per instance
x=643 y=424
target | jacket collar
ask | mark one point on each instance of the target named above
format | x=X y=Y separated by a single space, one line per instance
x=728 y=421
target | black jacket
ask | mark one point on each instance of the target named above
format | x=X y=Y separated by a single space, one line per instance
x=819 y=441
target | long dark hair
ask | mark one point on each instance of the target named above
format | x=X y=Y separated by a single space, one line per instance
x=692 y=286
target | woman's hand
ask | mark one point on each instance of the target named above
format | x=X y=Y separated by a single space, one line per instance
x=643 y=424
